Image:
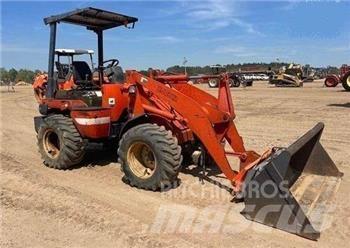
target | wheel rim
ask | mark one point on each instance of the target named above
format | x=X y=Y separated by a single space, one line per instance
x=331 y=82
x=141 y=160
x=51 y=143
x=231 y=82
x=348 y=81
x=212 y=83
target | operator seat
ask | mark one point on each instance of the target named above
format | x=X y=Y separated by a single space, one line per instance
x=62 y=71
x=115 y=74
x=81 y=72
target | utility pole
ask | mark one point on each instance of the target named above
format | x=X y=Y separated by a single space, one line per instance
x=184 y=64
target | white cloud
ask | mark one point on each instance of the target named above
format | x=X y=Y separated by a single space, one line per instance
x=247 y=26
x=230 y=49
x=171 y=39
x=291 y=5
x=215 y=14
x=237 y=51
x=211 y=10
x=165 y=38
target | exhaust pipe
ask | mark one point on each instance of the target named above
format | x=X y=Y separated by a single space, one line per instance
x=294 y=187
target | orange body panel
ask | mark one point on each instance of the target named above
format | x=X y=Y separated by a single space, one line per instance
x=39 y=86
x=40 y=80
x=67 y=85
x=64 y=105
x=113 y=97
x=92 y=123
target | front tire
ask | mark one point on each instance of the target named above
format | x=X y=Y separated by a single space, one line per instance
x=150 y=157
x=60 y=143
x=346 y=82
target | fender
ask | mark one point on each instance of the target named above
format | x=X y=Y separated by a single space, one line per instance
x=38 y=120
x=131 y=123
x=181 y=135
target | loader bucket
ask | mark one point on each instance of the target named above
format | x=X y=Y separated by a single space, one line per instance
x=292 y=190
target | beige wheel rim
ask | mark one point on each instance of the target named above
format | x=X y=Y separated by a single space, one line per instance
x=51 y=143
x=348 y=81
x=141 y=160
x=231 y=82
x=212 y=83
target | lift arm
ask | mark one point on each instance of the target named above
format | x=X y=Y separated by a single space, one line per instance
x=210 y=119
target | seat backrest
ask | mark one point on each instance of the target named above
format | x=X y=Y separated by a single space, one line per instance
x=118 y=74
x=62 y=70
x=81 y=71
x=115 y=74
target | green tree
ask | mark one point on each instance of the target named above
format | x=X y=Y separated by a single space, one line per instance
x=332 y=70
x=12 y=74
x=25 y=75
x=4 y=75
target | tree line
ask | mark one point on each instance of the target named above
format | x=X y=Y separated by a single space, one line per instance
x=14 y=76
x=275 y=66
x=195 y=70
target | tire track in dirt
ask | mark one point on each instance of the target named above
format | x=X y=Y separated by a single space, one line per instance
x=90 y=206
x=35 y=194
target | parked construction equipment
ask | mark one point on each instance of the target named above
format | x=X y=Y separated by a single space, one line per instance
x=234 y=79
x=157 y=119
x=333 y=80
x=290 y=76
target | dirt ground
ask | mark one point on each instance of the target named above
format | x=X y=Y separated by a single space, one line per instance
x=90 y=206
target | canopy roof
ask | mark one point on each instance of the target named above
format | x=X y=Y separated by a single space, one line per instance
x=63 y=51
x=92 y=18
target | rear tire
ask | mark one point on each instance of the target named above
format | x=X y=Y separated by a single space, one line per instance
x=234 y=82
x=60 y=143
x=331 y=81
x=346 y=82
x=150 y=157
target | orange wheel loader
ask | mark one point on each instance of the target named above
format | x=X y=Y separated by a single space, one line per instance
x=156 y=120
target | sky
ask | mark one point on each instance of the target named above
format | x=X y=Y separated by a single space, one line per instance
x=205 y=32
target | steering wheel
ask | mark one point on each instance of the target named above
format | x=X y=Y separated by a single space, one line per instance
x=112 y=62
